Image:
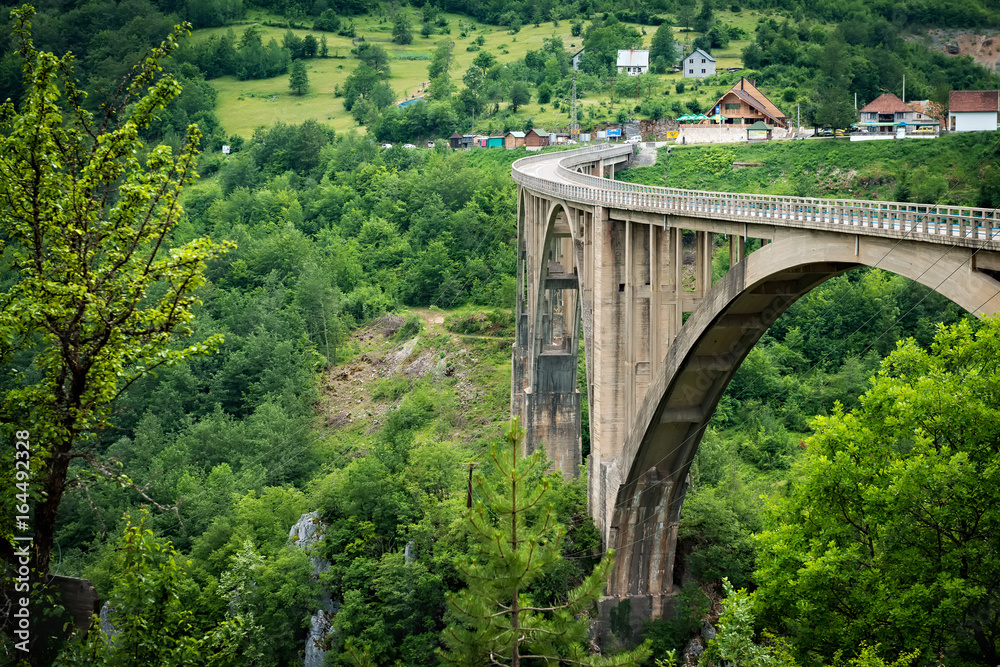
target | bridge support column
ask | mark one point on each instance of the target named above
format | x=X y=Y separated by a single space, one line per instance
x=608 y=418
x=543 y=383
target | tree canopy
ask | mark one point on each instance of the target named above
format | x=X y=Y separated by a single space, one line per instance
x=888 y=536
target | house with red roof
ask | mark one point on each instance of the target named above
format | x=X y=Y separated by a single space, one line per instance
x=885 y=113
x=973 y=110
x=744 y=104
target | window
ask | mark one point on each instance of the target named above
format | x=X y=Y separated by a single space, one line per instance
x=690 y=71
x=691 y=61
x=702 y=71
x=702 y=61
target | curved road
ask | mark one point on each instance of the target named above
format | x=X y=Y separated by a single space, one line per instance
x=555 y=174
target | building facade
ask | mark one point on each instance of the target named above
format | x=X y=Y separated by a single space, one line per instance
x=633 y=62
x=697 y=65
x=973 y=110
x=744 y=104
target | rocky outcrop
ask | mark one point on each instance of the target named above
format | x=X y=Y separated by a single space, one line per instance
x=306 y=534
x=107 y=627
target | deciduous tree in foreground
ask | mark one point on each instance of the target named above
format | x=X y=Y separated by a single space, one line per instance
x=99 y=295
x=495 y=620
x=889 y=536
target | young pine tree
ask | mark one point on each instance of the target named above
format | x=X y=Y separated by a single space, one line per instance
x=495 y=621
x=298 y=80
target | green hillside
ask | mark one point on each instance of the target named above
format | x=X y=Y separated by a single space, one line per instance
x=953 y=169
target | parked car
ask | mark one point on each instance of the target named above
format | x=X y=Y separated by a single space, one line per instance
x=408 y=146
x=430 y=144
x=386 y=145
x=634 y=139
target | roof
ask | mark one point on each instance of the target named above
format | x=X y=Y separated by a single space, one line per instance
x=539 y=131
x=517 y=135
x=965 y=101
x=456 y=135
x=633 y=58
x=886 y=103
x=760 y=125
x=707 y=56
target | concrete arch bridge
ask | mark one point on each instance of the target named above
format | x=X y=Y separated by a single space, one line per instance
x=606 y=258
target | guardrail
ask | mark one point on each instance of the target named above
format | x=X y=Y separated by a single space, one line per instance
x=935 y=223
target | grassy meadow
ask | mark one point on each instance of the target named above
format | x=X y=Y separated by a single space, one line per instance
x=245 y=105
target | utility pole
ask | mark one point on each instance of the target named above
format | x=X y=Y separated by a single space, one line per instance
x=574 y=127
x=468 y=501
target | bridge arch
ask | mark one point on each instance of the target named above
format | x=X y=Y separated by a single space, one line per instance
x=667 y=430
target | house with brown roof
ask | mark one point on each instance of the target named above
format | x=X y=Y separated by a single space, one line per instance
x=973 y=110
x=885 y=113
x=744 y=104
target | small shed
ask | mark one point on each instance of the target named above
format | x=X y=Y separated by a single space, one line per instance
x=468 y=141
x=759 y=131
x=513 y=140
x=536 y=137
x=494 y=142
x=455 y=141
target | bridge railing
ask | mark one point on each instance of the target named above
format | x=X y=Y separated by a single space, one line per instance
x=935 y=221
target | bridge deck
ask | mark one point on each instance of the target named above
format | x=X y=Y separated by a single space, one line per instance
x=554 y=174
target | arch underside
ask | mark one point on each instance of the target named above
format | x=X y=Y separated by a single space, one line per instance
x=641 y=519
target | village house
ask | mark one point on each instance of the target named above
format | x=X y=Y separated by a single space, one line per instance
x=633 y=62
x=973 y=110
x=744 y=104
x=575 y=59
x=697 y=65
x=885 y=113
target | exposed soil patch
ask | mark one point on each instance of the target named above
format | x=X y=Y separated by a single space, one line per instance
x=983 y=47
x=347 y=399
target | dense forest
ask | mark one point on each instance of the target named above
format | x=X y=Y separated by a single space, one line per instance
x=842 y=509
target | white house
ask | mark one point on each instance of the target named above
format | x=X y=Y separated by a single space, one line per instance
x=633 y=62
x=973 y=110
x=575 y=59
x=697 y=65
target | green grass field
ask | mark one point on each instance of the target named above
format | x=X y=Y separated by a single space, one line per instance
x=245 y=105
